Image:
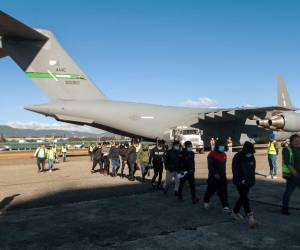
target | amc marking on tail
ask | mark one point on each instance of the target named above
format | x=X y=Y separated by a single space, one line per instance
x=54 y=75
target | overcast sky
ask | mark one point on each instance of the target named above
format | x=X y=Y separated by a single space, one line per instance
x=191 y=53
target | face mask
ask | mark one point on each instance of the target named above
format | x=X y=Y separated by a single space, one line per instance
x=189 y=149
x=248 y=155
x=222 y=149
x=176 y=147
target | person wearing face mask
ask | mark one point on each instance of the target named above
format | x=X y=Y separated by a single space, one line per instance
x=290 y=170
x=173 y=157
x=187 y=171
x=217 y=180
x=243 y=170
x=157 y=158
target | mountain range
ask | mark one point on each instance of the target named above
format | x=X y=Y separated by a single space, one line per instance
x=8 y=131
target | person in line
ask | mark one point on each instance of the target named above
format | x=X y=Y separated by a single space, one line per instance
x=50 y=155
x=157 y=157
x=172 y=166
x=105 y=158
x=212 y=144
x=143 y=159
x=91 y=151
x=217 y=179
x=132 y=159
x=123 y=154
x=114 y=156
x=229 y=145
x=273 y=151
x=290 y=170
x=40 y=154
x=55 y=154
x=97 y=159
x=64 y=150
x=187 y=171
x=243 y=170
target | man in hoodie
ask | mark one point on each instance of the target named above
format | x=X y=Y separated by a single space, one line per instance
x=172 y=166
x=187 y=171
x=243 y=170
x=143 y=159
x=132 y=159
x=114 y=156
x=157 y=157
x=217 y=179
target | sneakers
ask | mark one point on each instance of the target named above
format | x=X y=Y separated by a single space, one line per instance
x=269 y=177
x=252 y=221
x=227 y=210
x=50 y=170
x=206 y=205
x=275 y=177
x=237 y=216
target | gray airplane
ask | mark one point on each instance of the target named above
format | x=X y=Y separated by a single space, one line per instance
x=74 y=98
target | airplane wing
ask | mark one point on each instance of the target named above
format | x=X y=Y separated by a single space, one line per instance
x=251 y=113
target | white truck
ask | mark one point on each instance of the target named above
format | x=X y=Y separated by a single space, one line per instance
x=183 y=134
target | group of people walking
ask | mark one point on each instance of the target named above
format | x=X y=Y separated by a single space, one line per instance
x=50 y=155
x=179 y=164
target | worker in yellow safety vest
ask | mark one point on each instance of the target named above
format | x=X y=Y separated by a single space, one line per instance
x=272 y=157
x=290 y=170
x=64 y=152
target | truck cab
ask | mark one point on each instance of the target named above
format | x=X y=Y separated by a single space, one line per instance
x=183 y=134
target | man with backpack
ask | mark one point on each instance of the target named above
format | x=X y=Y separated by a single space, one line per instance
x=41 y=154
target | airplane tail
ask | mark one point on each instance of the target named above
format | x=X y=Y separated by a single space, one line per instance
x=43 y=59
x=284 y=99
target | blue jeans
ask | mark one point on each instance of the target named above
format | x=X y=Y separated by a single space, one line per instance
x=291 y=184
x=273 y=164
x=50 y=164
x=115 y=165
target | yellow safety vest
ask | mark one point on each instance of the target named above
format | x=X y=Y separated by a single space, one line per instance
x=272 y=148
x=286 y=172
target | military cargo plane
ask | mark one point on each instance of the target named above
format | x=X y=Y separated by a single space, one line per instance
x=72 y=93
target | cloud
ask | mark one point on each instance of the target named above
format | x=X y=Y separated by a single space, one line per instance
x=56 y=126
x=200 y=102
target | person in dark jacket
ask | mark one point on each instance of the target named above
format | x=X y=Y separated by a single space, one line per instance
x=172 y=165
x=243 y=170
x=187 y=171
x=97 y=159
x=114 y=156
x=123 y=154
x=132 y=159
x=217 y=179
x=157 y=157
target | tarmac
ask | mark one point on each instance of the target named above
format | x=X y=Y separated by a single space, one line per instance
x=71 y=208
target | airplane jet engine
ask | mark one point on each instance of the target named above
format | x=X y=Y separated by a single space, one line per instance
x=289 y=121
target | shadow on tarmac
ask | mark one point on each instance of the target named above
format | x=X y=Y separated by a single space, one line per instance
x=7 y=200
x=264 y=192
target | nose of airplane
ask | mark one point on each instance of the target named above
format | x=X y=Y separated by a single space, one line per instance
x=41 y=109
